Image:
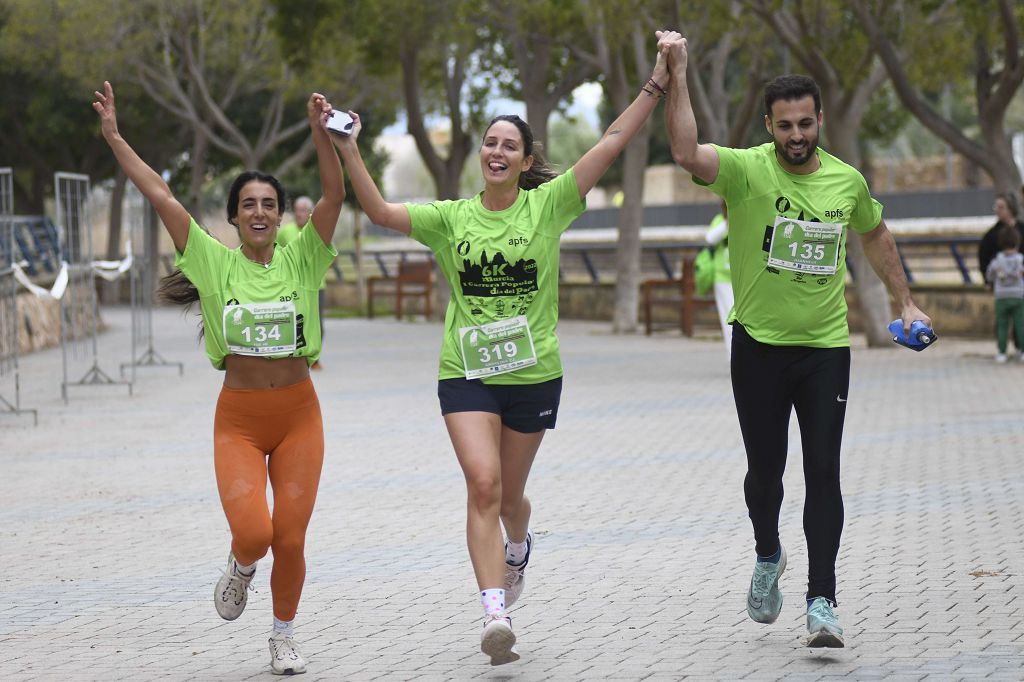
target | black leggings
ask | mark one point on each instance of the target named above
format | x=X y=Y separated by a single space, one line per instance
x=768 y=382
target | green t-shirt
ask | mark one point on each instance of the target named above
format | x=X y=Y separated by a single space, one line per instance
x=249 y=309
x=501 y=265
x=289 y=232
x=789 y=281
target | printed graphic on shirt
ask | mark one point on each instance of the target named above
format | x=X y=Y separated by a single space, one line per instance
x=506 y=289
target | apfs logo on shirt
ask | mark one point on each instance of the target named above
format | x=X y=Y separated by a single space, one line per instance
x=518 y=241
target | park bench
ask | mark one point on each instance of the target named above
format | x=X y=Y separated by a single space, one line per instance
x=414 y=280
x=676 y=293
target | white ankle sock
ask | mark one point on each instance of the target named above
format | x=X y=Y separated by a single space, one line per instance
x=493 y=600
x=515 y=552
x=284 y=627
x=247 y=571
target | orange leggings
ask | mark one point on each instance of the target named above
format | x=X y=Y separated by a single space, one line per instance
x=286 y=424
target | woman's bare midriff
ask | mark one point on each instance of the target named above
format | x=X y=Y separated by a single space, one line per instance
x=242 y=371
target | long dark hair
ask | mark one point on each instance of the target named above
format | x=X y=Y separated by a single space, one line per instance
x=176 y=287
x=541 y=171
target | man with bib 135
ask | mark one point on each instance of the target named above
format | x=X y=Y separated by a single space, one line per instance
x=790 y=205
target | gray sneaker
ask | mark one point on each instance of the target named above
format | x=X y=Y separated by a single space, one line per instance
x=515 y=575
x=764 y=600
x=823 y=626
x=232 y=591
x=497 y=639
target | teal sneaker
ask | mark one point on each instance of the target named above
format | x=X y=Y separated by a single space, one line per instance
x=823 y=625
x=764 y=600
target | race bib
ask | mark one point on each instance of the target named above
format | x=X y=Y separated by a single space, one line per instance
x=803 y=246
x=498 y=347
x=260 y=328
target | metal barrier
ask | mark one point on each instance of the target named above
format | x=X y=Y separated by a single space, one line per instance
x=79 y=310
x=9 y=322
x=142 y=277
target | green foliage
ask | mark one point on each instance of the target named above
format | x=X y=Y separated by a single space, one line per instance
x=570 y=138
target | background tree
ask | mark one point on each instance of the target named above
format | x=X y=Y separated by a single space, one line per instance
x=624 y=53
x=994 y=60
x=727 y=77
x=48 y=61
x=533 y=59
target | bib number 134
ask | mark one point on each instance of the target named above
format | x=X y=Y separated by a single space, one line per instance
x=260 y=328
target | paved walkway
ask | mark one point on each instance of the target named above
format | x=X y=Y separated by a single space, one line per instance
x=112 y=535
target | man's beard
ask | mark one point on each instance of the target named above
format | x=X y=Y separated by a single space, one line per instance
x=797 y=160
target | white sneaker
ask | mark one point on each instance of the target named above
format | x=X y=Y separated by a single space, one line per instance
x=1000 y=358
x=232 y=591
x=285 y=657
x=515 y=576
x=497 y=640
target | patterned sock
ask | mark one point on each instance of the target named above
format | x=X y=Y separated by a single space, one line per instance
x=493 y=600
x=284 y=627
x=515 y=552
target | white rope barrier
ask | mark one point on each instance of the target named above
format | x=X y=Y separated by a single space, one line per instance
x=107 y=269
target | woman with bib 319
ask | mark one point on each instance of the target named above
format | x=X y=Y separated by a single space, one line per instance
x=500 y=375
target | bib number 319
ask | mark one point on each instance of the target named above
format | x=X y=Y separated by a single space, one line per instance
x=498 y=347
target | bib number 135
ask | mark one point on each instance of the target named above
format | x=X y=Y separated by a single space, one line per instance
x=805 y=246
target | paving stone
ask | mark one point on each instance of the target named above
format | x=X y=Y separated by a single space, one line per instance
x=112 y=535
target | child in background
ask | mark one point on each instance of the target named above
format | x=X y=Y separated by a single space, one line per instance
x=1006 y=274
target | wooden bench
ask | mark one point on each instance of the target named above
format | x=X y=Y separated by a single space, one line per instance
x=679 y=293
x=414 y=280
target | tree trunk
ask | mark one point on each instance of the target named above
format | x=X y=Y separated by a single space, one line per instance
x=1004 y=172
x=151 y=227
x=620 y=83
x=357 y=242
x=872 y=296
x=200 y=147
x=537 y=114
x=627 y=255
x=110 y=292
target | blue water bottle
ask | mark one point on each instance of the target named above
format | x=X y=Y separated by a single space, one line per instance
x=921 y=335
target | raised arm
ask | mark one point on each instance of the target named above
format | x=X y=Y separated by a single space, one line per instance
x=381 y=212
x=700 y=160
x=332 y=182
x=593 y=164
x=880 y=249
x=173 y=215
